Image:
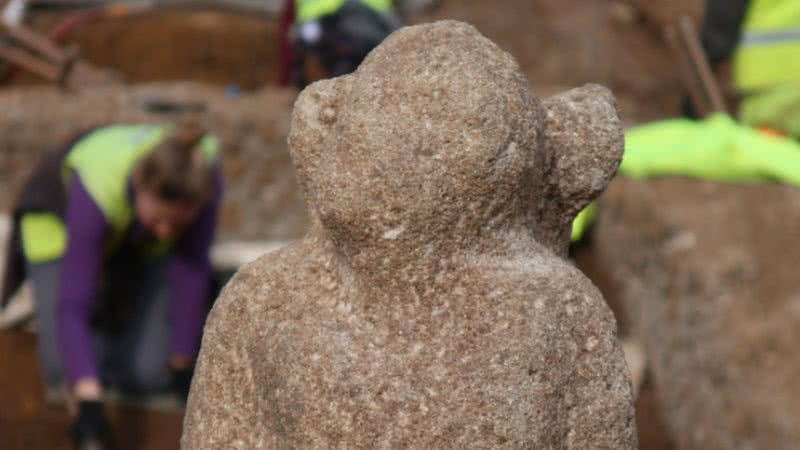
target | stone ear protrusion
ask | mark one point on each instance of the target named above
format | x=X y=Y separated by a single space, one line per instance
x=583 y=143
x=314 y=110
x=315 y=113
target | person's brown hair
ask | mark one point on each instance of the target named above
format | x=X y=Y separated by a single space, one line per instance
x=177 y=169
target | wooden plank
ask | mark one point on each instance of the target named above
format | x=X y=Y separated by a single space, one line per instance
x=696 y=95
x=30 y=63
x=38 y=43
x=699 y=61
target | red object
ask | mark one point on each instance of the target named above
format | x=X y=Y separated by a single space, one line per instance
x=66 y=25
x=284 y=44
x=770 y=131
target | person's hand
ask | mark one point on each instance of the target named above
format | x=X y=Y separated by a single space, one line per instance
x=181 y=371
x=182 y=382
x=89 y=430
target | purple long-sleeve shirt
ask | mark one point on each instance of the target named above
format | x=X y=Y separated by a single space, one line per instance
x=81 y=268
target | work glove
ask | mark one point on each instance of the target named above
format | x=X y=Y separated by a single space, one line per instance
x=181 y=382
x=90 y=428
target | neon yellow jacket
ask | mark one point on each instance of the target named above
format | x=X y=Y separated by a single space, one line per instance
x=104 y=160
x=766 y=65
x=717 y=148
x=768 y=53
x=306 y=10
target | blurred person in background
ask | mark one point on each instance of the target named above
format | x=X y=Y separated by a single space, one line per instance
x=337 y=34
x=760 y=41
x=113 y=231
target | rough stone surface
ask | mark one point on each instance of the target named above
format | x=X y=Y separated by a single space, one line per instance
x=430 y=305
x=707 y=273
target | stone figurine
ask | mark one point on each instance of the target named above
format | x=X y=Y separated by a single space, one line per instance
x=430 y=306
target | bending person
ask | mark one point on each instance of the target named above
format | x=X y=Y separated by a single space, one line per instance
x=114 y=230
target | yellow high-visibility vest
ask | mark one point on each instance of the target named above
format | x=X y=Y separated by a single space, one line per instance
x=104 y=160
x=306 y=10
x=768 y=53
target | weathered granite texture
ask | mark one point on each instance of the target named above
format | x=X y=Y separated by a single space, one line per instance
x=430 y=305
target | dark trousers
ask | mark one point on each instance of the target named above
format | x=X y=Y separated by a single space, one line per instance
x=130 y=327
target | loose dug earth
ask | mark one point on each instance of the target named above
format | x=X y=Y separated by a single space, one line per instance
x=562 y=44
x=649 y=423
x=707 y=275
